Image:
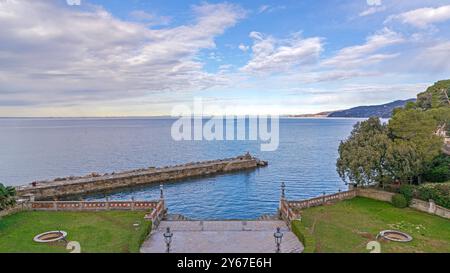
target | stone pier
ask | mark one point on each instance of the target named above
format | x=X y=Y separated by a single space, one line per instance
x=63 y=187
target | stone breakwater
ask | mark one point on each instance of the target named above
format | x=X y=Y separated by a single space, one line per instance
x=63 y=187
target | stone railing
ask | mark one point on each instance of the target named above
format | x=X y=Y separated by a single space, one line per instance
x=157 y=214
x=322 y=200
x=287 y=213
x=92 y=205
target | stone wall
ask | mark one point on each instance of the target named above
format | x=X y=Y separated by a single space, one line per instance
x=10 y=211
x=375 y=194
x=57 y=189
x=430 y=207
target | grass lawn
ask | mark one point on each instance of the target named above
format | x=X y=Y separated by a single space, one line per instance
x=109 y=232
x=349 y=225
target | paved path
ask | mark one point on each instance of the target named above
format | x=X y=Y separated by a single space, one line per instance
x=222 y=237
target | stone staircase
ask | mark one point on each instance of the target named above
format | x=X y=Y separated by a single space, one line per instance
x=222 y=237
x=176 y=217
x=268 y=217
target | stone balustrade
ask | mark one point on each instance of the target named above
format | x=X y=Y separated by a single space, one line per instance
x=322 y=200
x=92 y=205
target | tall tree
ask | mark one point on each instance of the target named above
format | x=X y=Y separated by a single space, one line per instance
x=416 y=129
x=362 y=156
x=402 y=161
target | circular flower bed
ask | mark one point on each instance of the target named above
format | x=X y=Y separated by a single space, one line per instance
x=396 y=236
x=50 y=237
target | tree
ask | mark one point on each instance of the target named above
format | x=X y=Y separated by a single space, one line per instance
x=7 y=196
x=439 y=171
x=402 y=161
x=403 y=150
x=413 y=132
x=362 y=156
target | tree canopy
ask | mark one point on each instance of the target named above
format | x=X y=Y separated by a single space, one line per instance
x=402 y=150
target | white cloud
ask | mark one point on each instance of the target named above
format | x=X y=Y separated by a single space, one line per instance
x=365 y=54
x=273 y=55
x=243 y=47
x=150 y=19
x=434 y=58
x=263 y=8
x=269 y=8
x=77 y=56
x=374 y=2
x=326 y=76
x=372 y=10
x=423 y=17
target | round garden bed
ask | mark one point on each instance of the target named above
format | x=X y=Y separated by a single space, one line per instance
x=50 y=237
x=396 y=236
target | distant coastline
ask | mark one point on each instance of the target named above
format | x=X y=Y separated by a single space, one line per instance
x=381 y=111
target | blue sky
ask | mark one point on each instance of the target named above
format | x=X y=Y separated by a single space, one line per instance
x=143 y=57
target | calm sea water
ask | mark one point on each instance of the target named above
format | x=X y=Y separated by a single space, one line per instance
x=39 y=149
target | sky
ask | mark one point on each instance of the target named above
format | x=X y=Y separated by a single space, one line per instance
x=87 y=58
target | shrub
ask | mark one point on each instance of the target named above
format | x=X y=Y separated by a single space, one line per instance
x=407 y=191
x=399 y=201
x=439 y=193
x=7 y=197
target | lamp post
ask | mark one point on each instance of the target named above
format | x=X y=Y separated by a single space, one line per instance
x=161 y=191
x=168 y=238
x=278 y=235
x=283 y=190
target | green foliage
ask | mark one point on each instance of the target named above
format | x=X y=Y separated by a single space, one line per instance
x=415 y=142
x=404 y=149
x=439 y=193
x=362 y=155
x=399 y=201
x=439 y=170
x=408 y=106
x=435 y=96
x=7 y=197
x=407 y=191
x=402 y=160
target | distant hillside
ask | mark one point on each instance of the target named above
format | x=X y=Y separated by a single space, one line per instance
x=435 y=96
x=382 y=111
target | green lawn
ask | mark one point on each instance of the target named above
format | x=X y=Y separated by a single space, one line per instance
x=109 y=232
x=349 y=225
